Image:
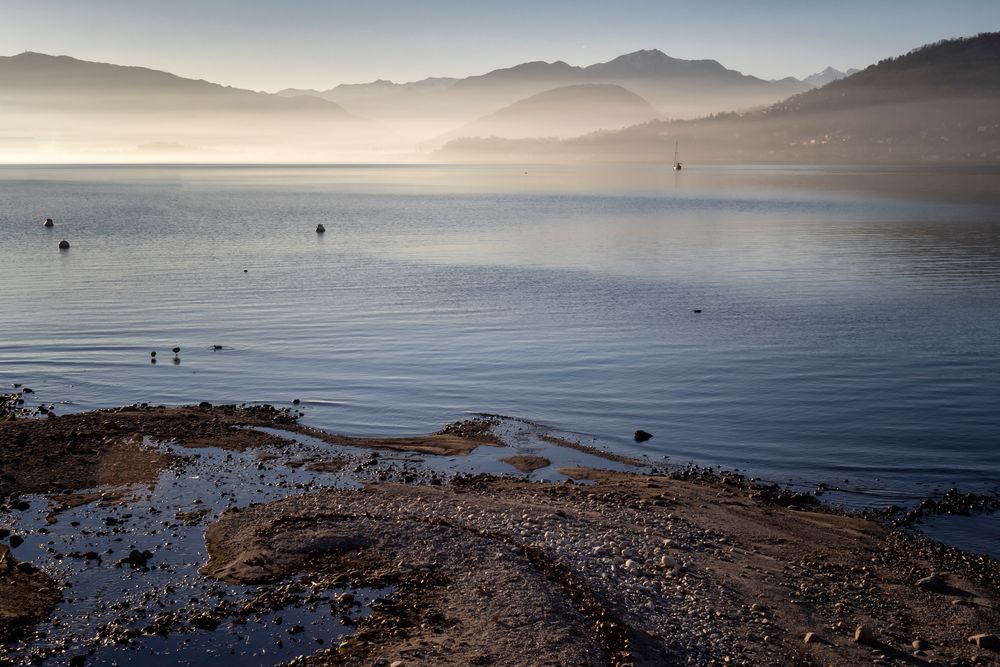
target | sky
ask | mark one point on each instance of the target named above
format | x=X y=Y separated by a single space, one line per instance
x=321 y=43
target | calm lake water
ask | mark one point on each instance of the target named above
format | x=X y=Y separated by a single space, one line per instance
x=850 y=326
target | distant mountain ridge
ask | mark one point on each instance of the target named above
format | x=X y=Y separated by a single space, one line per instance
x=676 y=88
x=828 y=75
x=937 y=103
x=69 y=106
x=564 y=112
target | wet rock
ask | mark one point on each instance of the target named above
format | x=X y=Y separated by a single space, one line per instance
x=204 y=621
x=16 y=541
x=137 y=559
x=990 y=642
x=642 y=436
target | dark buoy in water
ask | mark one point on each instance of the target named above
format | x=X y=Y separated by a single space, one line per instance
x=176 y=350
x=48 y=223
x=320 y=229
x=152 y=354
x=64 y=245
x=697 y=310
x=642 y=436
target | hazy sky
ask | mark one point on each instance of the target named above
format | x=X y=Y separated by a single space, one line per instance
x=320 y=43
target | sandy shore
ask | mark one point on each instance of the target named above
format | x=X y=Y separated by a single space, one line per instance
x=607 y=567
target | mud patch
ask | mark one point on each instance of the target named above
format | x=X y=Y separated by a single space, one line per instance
x=27 y=595
x=527 y=462
x=457 y=439
x=102 y=448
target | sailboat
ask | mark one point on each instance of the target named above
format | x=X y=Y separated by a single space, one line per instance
x=677 y=165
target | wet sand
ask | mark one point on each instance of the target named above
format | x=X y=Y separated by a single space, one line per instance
x=646 y=567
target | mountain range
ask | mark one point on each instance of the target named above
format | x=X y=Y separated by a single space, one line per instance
x=675 y=88
x=564 y=112
x=61 y=106
x=940 y=102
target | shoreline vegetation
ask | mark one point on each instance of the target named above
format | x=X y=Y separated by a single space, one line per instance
x=643 y=566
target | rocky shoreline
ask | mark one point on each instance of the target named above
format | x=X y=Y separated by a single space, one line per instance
x=625 y=566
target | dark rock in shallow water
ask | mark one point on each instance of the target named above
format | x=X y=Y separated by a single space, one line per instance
x=320 y=228
x=642 y=436
x=16 y=541
x=136 y=558
x=48 y=223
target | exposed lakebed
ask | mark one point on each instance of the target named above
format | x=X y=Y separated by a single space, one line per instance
x=645 y=556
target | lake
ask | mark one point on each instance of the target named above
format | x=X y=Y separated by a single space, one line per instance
x=849 y=330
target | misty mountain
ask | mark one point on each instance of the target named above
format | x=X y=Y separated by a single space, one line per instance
x=820 y=79
x=94 y=110
x=563 y=112
x=938 y=103
x=676 y=88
